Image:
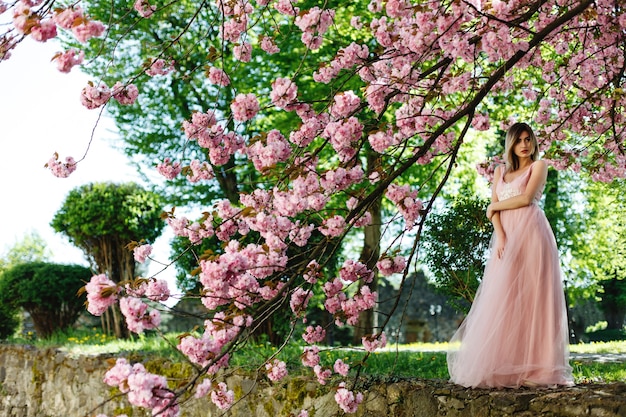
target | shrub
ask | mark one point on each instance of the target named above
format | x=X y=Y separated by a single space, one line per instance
x=47 y=291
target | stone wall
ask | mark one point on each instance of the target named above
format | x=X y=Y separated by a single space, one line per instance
x=50 y=383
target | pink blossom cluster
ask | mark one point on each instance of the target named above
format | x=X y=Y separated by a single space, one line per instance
x=138 y=315
x=68 y=59
x=244 y=107
x=300 y=300
x=343 y=135
x=373 y=342
x=284 y=93
x=33 y=22
x=345 y=308
x=169 y=169
x=220 y=395
x=340 y=179
x=199 y=171
x=94 y=96
x=267 y=153
x=407 y=202
x=341 y=367
x=144 y=8
x=243 y=52
x=269 y=45
x=344 y=105
x=314 y=23
x=101 y=294
x=347 y=57
x=61 y=169
x=218 y=76
x=347 y=400
x=159 y=67
x=315 y=334
x=236 y=276
x=141 y=252
x=380 y=141
x=125 y=94
x=391 y=265
x=207 y=350
x=143 y=389
x=153 y=289
x=276 y=370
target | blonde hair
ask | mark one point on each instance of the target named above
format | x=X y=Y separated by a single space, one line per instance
x=514 y=132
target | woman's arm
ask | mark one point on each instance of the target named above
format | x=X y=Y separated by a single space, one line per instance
x=537 y=180
x=495 y=217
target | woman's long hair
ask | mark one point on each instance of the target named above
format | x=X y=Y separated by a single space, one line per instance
x=514 y=132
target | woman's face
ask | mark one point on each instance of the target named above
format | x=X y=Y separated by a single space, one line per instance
x=523 y=146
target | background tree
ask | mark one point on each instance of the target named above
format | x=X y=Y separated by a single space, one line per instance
x=102 y=219
x=456 y=247
x=31 y=248
x=58 y=306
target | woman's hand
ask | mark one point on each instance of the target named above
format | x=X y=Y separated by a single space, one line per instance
x=498 y=247
x=490 y=211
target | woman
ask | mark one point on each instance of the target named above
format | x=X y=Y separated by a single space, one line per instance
x=515 y=333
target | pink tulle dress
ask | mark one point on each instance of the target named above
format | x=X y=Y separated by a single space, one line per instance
x=516 y=330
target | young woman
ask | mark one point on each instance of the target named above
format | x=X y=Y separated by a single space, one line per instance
x=515 y=333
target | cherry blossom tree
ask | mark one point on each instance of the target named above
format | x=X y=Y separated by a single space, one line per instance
x=373 y=92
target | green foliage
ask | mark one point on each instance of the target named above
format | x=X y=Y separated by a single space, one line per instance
x=9 y=320
x=100 y=210
x=456 y=243
x=47 y=291
x=31 y=248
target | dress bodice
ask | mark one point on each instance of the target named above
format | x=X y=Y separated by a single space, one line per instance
x=516 y=186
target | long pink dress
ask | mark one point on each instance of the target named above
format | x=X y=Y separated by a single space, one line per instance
x=516 y=330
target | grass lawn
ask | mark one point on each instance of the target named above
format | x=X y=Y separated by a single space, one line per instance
x=423 y=360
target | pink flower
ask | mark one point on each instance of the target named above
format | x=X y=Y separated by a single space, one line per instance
x=244 y=107
x=125 y=94
x=341 y=368
x=118 y=375
x=243 y=52
x=144 y=8
x=157 y=290
x=314 y=24
x=333 y=226
x=45 y=30
x=284 y=92
x=373 y=342
x=61 y=169
x=66 y=17
x=160 y=67
x=346 y=399
x=345 y=104
x=200 y=171
x=311 y=357
x=88 y=30
x=387 y=266
x=169 y=169
x=67 y=60
x=322 y=374
x=93 y=96
x=222 y=397
x=138 y=318
x=268 y=45
x=203 y=388
x=299 y=300
x=481 y=122
x=314 y=335
x=276 y=149
x=101 y=294
x=218 y=77
x=276 y=370
x=142 y=252
x=287 y=7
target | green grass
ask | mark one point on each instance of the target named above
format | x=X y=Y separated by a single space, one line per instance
x=424 y=360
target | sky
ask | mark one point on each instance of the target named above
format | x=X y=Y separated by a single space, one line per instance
x=41 y=113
